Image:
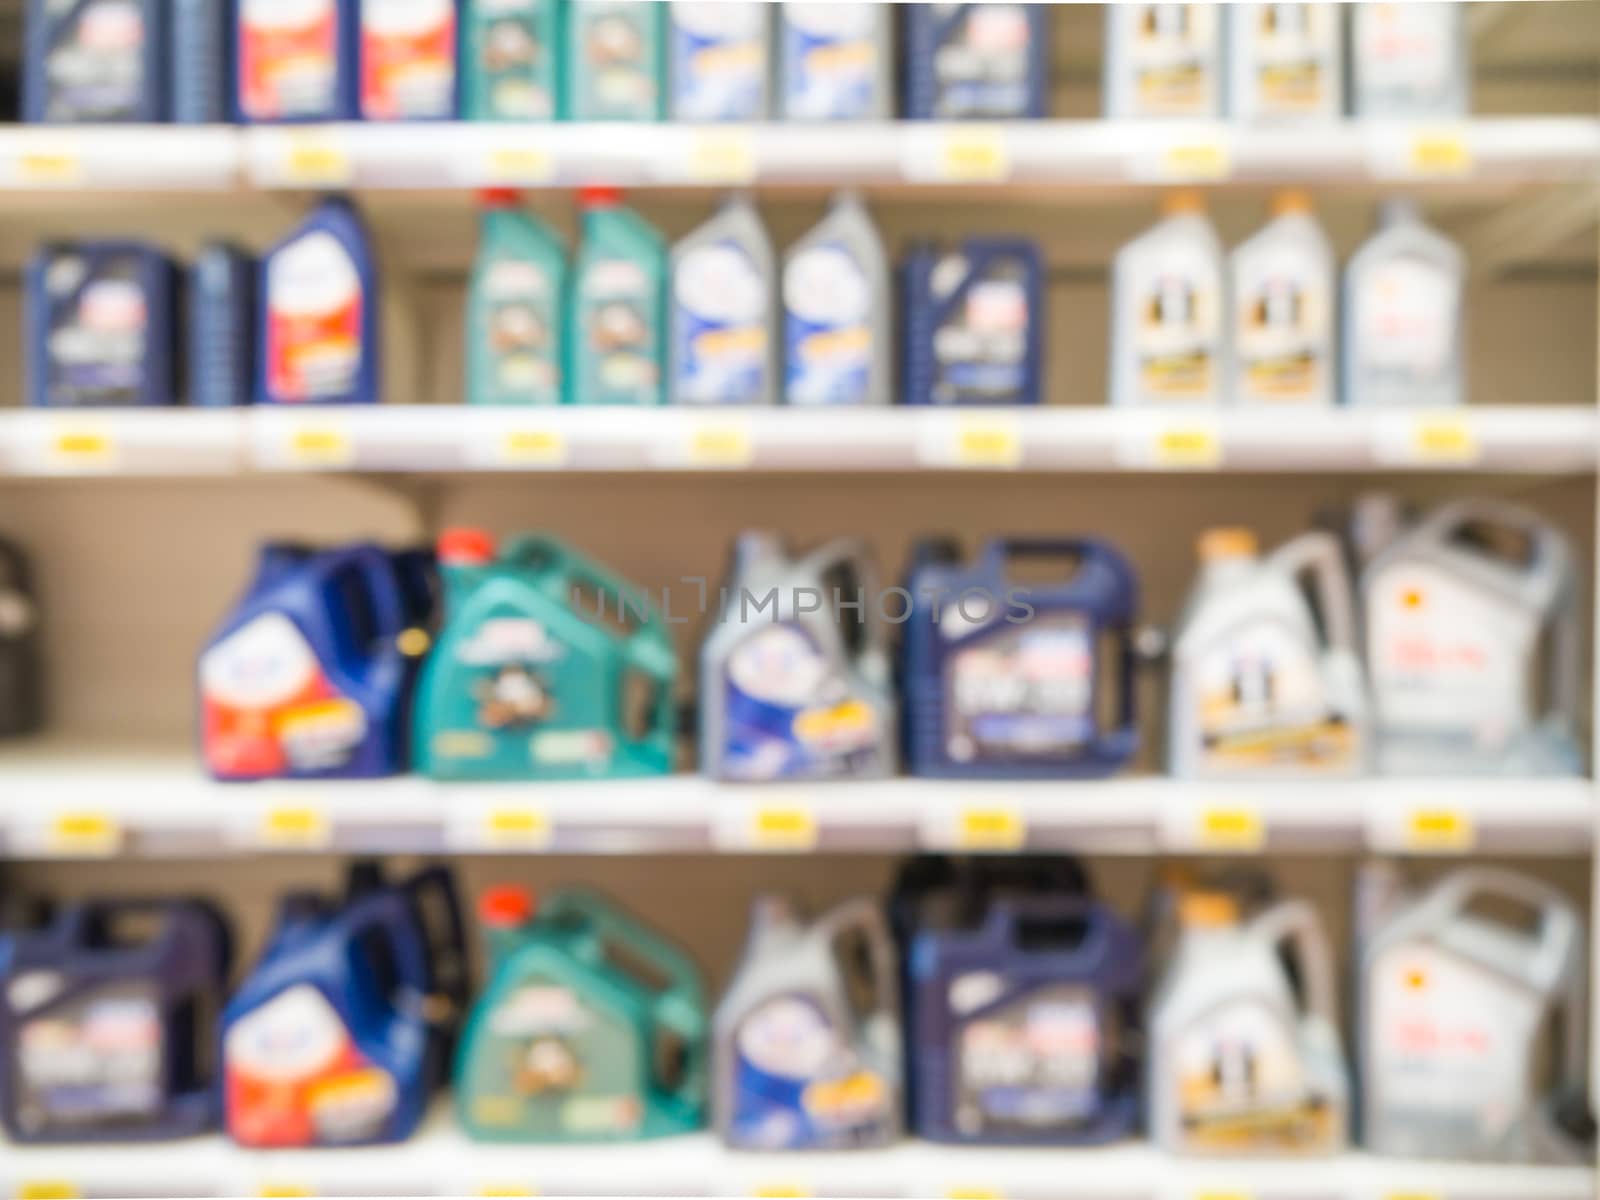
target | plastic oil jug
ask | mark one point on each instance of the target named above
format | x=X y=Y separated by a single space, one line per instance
x=1282 y=294
x=94 y=61
x=547 y=667
x=724 y=282
x=21 y=667
x=806 y=1043
x=615 y=60
x=838 y=328
x=790 y=687
x=408 y=60
x=221 y=329
x=986 y=61
x=1163 y=60
x=1403 y=320
x=1027 y=1026
x=835 y=60
x=511 y=59
x=101 y=326
x=1009 y=681
x=1473 y=644
x=514 y=306
x=1262 y=683
x=719 y=60
x=1460 y=987
x=569 y=1041
x=1285 y=62
x=105 y=1022
x=1409 y=61
x=341 y=1031
x=1242 y=1060
x=974 y=323
x=318 y=311
x=306 y=678
x=1167 y=340
x=617 y=318
x=197 y=60
x=296 y=61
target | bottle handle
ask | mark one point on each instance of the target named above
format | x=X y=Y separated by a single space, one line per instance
x=1557 y=935
x=389 y=911
x=1294 y=924
x=1318 y=554
x=852 y=554
x=375 y=571
x=865 y=916
x=449 y=974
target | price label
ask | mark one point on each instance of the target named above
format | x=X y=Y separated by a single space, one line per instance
x=989 y=827
x=284 y=1191
x=84 y=835
x=295 y=827
x=1223 y=1196
x=1172 y=444
x=47 y=1189
x=784 y=827
x=1438 y=831
x=988 y=444
x=517 y=827
x=1232 y=828
x=507 y=1191
x=316 y=158
x=57 y=167
x=518 y=165
x=1203 y=161
x=1436 y=153
x=1439 y=439
x=974 y=156
x=531 y=447
x=719 y=444
x=320 y=445
x=721 y=156
x=1412 y=1196
x=966 y=1193
x=82 y=448
x=781 y=1191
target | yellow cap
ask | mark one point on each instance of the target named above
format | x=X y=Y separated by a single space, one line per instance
x=1181 y=202
x=1291 y=200
x=1229 y=541
x=1208 y=910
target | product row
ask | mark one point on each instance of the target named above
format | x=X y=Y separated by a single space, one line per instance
x=720 y=318
x=992 y=1001
x=203 y=61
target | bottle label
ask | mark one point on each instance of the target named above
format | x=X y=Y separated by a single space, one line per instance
x=719 y=61
x=1405 y=323
x=1294 y=47
x=1022 y=691
x=830 y=61
x=1032 y=1065
x=1173 y=51
x=1177 y=322
x=980 y=347
x=513 y=54
x=789 y=713
x=1283 y=320
x=98 y=343
x=93 y=1064
x=1404 y=53
x=294 y=1076
x=828 y=348
x=617 y=76
x=519 y=324
x=288 y=58
x=95 y=72
x=981 y=68
x=799 y=1085
x=723 y=310
x=269 y=709
x=617 y=318
x=315 y=314
x=408 y=59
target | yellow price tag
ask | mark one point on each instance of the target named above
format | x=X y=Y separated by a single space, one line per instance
x=1435 y=153
x=320 y=446
x=49 y=168
x=988 y=444
x=720 y=445
x=296 y=827
x=1411 y=1196
x=1178 y=445
x=47 y=1189
x=974 y=156
x=1222 y=1196
x=89 y=834
x=974 y=1194
x=1206 y=160
x=83 y=449
x=508 y=1191
x=533 y=447
x=781 y=1191
x=1444 y=439
x=1438 y=831
x=783 y=827
x=1223 y=827
x=722 y=156
x=518 y=165
x=522 y=826
x=316 y=159
x=284 y=1191
x=987 y=828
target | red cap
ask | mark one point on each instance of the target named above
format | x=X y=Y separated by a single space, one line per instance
x=499 y=197
x=599 y=196
x=505 y=907
x=464 y=546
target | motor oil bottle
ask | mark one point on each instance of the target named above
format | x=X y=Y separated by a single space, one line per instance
x=1027 y=1026
x=1245 y=1059
x=197 y=61
x=835 y=60
x=547 y=667
x=566 y=1042
x=221 y=329
x=1403 y=321
x=1163 y=60
x=514 y=306
x=101 y=326
x=94 y=61
x=838 y=329
x=306 y=677
x=1282 y=293
x=407 y=60
x=721 y=346
x=1167 y=339
x=1409 y=61
x=318 y=310
x=1285 y=63
x=1473 y=1018
x=1262 y=682
x=806 y=1042
x=615 y=60
x=296 y=60
x=105 y=1022
x=985 y=61
x=511 y=59
x=617 y=317
x=719 y=60
x=21 y=659
x=1011 y=681
x=1473 y=644
x=974 y=323
x=791 y=689
x=341 y=1031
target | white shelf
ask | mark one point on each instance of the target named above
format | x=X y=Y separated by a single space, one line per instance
x=442 y=1161
x=452 y=438
x=75 y=801
x=60 y=158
